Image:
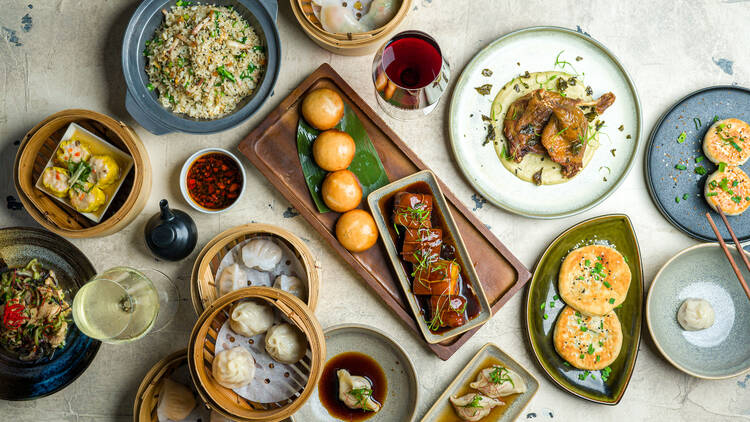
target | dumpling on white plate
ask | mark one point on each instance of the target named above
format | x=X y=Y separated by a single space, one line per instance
x=263 y=254
x=232 y=278
x=286 y=343
x=473 y=407
x=291 y=284
x=233 y=368
x=176 y=401
x=498 y=381
x=356 y=392
x=251 y=318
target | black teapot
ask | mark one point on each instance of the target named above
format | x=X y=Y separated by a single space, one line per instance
x=171 y=234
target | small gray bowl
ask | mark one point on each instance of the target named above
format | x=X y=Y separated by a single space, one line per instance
x=143 y=104
x=403 y=388
x=701 y=272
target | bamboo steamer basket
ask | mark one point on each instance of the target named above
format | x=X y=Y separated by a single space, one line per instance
x=346 y=44
x=203 y=282
x=147 y=397
x=201 y=350
x=39 y=144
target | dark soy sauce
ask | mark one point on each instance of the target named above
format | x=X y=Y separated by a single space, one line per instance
x=357 y=364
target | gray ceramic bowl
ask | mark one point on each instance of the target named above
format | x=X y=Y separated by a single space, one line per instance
x=403 y=390
x=701 y=272
x=142 y=104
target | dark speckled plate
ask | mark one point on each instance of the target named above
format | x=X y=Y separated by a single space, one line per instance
x=663 y=153
x=611 y=230
x=24 y=380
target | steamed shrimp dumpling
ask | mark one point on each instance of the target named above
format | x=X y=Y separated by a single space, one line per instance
x=176 y=401
x=291 y=284
x=233 y=368
x=337 y=19
x=356 y=392
x=251 y=318
x=262 y=254
x=498 y=381
x=286 y=343
x=380 y=13
x=232 y=278
x=473 y=407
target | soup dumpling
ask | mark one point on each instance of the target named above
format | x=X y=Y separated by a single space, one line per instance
x=251 y=318
x=286 y=343
x=176 y=401
x=233 y=368
x=696 y=314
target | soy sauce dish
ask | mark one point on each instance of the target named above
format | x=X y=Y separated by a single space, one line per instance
x=212 y=180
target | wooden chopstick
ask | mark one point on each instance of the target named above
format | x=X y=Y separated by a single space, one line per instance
x=729 y=255
x=734 y=237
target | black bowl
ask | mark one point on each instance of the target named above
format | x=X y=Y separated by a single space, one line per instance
x=30 y=380
x=143 y=104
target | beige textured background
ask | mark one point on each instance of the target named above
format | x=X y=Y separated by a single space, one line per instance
x=66 y=53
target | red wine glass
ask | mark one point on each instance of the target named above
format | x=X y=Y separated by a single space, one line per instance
x=410 y=75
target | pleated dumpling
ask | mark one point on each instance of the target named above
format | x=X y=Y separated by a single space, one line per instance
x=104 y=169
x=233 y=368
x=262 y=254
x=251 y=318
x=286 y=343
x=87 y=201
x=473 y=407
x=231 y=278
x=176 y=401
x=291 y=284
x=356 y=392
x=498 y=381
x=56 y=180
x=72 y=151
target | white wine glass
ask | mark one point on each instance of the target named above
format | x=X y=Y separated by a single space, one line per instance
x=123 y=304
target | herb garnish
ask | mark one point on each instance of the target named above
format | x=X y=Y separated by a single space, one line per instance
x=681 y=138
x=484 y=89
x=500 y=375
x=362 y=395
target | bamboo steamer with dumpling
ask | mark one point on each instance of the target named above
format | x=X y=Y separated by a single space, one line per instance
x=203 y=281
x=346 y=44
x=41 y=143
x=301 y=381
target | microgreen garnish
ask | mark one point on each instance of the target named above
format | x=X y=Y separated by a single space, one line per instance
x=500 y=375
x=362 y=395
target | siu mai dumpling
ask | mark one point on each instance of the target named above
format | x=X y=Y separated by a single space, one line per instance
x=56 y=180
x=473 y=407
x=262 y=254
x=104 y=169
x=356 y=392
x=176 y=401
x=498 y=381
x=231 y=279
x=84 y=201
x=72 y=151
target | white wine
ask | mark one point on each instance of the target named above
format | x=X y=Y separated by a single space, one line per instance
x=119 y=305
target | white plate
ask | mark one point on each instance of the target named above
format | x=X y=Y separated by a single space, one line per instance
x=536 y=49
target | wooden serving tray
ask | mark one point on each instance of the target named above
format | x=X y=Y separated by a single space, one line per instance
x=272 y=148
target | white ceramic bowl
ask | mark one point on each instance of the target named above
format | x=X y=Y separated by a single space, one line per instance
x=186 y=167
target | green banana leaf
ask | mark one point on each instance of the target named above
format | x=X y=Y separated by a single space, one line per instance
x=366 y=164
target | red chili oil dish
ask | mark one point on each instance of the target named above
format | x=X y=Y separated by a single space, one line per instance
x=214 y=181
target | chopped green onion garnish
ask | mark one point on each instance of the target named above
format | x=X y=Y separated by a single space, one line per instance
x=680 y=167
x=681 y=138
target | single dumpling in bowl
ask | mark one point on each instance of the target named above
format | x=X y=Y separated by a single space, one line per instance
x=104 y=169
x=498 y=381
x=84 y=201
x=56 y=180
x=696 y=314
x=72 y=151
x=728 y=188
x=356 y=392
x=728 y=141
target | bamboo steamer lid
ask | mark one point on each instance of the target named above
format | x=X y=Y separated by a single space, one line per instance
x=346 y=44
x=39 y=144
x=203 y=278
x=201 y=351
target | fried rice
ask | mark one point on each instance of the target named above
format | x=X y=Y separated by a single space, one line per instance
x=204 y=60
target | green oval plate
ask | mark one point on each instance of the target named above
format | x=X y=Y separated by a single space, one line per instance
x=543 y=306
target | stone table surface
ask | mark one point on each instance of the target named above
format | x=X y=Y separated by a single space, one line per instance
x=59 y=54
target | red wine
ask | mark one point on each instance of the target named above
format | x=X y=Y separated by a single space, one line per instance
x=413 y=61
